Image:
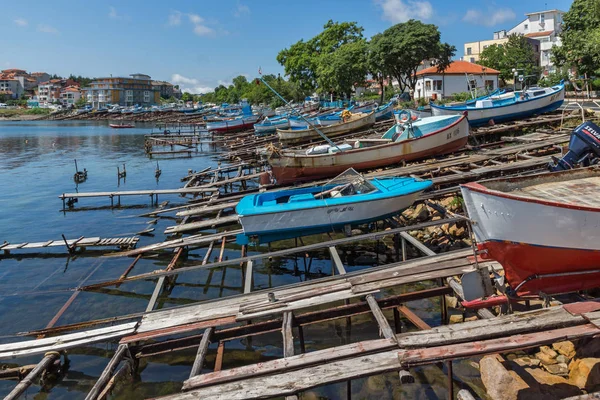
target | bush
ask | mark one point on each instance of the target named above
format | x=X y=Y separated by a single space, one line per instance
x=596 y=84
x=463 y=96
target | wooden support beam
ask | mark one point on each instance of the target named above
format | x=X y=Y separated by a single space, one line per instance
x=107 y=373
x=288 y=337
x=113 y=381
x=337 y=261
x=202 y=350
x=384 y=326
x=414 y=318
x=248 y=277
x=219 y=359
x=33 y=375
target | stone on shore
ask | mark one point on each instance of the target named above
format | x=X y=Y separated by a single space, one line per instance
x=585 y=373
x=566 y=348
x=500 y=383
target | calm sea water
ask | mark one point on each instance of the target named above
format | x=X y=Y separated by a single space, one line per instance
x=37 y=165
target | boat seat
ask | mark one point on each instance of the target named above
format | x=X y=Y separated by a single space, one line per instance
x=301 y=197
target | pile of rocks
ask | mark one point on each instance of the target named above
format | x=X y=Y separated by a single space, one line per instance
x=439 y=238
x=550 y=372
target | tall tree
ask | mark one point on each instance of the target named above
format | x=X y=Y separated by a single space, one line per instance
x=580 y=38
x=376 y=62
x=407 y=44
x=339 y=71
x=302 y=59
x=516 y=53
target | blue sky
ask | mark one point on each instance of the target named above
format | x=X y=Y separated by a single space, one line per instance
x=200 y=44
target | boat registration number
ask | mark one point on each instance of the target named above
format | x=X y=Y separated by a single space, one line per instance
x=450 y=135
x=340 y=209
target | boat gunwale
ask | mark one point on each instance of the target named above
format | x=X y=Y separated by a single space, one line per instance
x=323 y=128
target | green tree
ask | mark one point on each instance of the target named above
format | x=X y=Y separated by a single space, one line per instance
x=186 y=97
x=340 y=70
x=376 y=62
x=580 y=38
x=80 y=102
x=405 y=46
x=302 y=59
x=516 y=53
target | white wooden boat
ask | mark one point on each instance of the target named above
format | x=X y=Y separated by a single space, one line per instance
x=403 y=142
x=353 y=123
x=544 y=229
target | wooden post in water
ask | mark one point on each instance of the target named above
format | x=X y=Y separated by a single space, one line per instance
x=107 y=373
x=25 y=383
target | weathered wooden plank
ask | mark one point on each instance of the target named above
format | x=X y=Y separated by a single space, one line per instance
x=295 y=381
x=337 y=261
x=506 y=343
x=286 y=332
x=248 y=277
x=384 y=326
x=513 y=324
x=414 y=318
x=67 y=341
x=202 y=224
x=202 y=350
x=138 y=192
x=206 y=209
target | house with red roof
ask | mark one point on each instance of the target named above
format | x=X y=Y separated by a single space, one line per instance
x=461 y=76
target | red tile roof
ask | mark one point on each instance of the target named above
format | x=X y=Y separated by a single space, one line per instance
x=13 y=70
x=539 y=34
x=459 y=67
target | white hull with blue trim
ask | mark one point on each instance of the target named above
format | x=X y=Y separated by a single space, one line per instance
x=503 y=108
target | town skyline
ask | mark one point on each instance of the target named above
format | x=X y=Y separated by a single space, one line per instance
x=199 y=48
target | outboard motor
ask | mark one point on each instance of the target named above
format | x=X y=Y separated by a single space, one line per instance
x=584 y=148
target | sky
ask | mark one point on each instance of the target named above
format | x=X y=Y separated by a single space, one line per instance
x=201 y=44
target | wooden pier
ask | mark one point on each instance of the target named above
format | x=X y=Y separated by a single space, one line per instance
x=71 y=245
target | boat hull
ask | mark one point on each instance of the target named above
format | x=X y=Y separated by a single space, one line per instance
x=323 y=219
x=543 y=246
x=233 y=125
x=290 y=136
x=296 y=168
x=524 y=109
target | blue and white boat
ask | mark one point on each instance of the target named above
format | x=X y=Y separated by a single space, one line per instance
x=384 y=112
x=270 y=125
x=508 y=106
x=346 y=200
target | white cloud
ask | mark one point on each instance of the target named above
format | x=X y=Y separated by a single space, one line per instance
x=47 y=29
x=490 y=18
x=20 y=21
x=174 y=18
x=225 y=83
x=112 y=14
x=195 y=19
x=398 y=11
x=190 y=85
x=241 y=9
x=200 y=28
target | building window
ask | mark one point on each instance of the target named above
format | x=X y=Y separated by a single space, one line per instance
x=437 y=85
x=526 y=26
x=485 y=46
x=489 y=84
x=468 y=51
x=542 y=18
x=472 y=59
x=427 y=85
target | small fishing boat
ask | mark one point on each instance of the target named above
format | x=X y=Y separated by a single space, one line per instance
x=544 y=229
x=411 y=139
x=352 y=123
x=270 y=125
x=232 y=125
x=384 y=112
x=507 y=107
x=121 y=126
x=347 y=200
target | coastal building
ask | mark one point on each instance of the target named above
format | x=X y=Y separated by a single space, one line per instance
x=49 y=92
x=165 y=89
x=69 y=96
x=11 y=88
x=433 y=84
x=137 y=89
x=541 y=28
x=40 y=77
